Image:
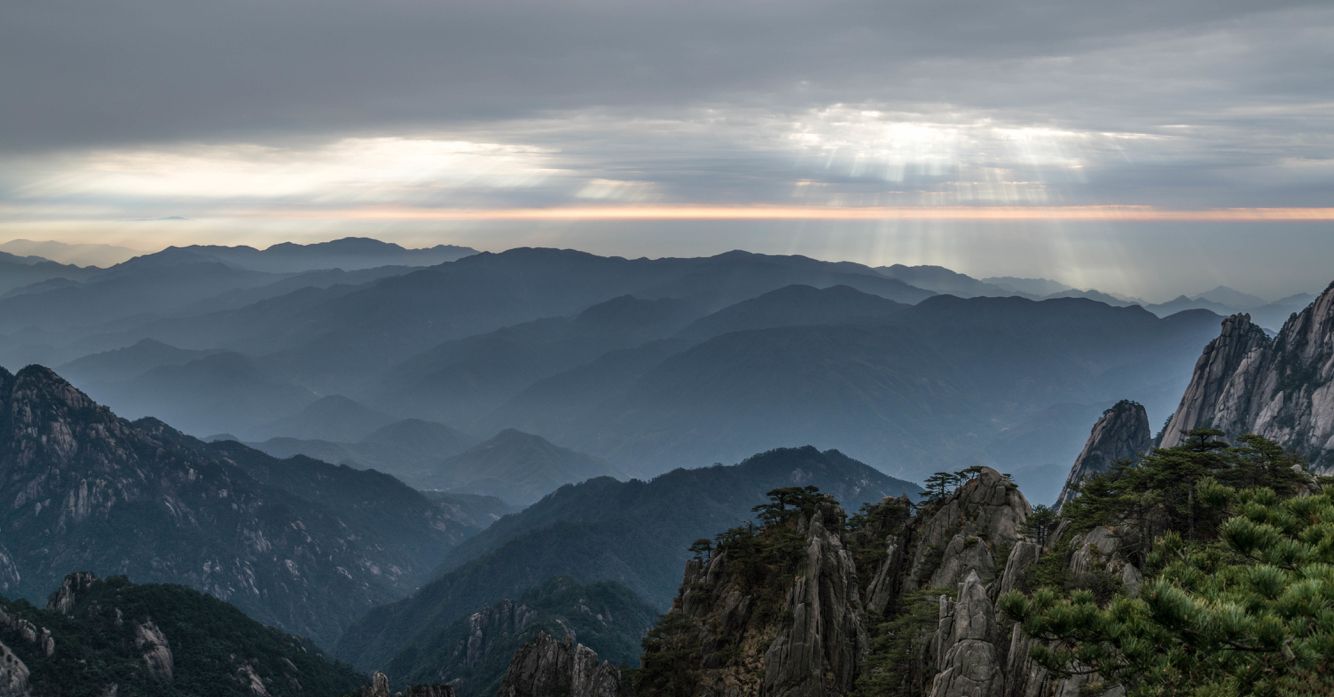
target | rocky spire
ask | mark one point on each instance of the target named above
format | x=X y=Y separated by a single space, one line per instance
x=1221 y=387
x=1121 y=434
x=547 y=666
x=1282 y=389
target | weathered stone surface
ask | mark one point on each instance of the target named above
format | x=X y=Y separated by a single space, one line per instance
x=967 y=660
x=986 y=514
x=1120 y=435
x=9 y=571
x=492 y=626
x=819 y=651
x=152 y=643
x=1095 y=552
x=40 y=637
x=884 y=584
x=67 y=594
x=546 y=667
x=13 y=674
x=248 y=677
x=1022 y=555
x=1280 y=388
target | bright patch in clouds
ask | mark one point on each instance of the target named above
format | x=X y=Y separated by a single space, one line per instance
x=347 y=170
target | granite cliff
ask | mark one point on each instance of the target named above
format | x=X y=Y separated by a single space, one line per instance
x=1121 y=435
x=1281 y=388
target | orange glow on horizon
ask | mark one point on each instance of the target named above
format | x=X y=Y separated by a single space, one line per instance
x=723 y=212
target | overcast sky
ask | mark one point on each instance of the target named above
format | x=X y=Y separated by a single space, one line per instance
x=1031 y=136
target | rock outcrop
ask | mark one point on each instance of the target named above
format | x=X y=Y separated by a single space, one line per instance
x=379 y=687
x=546 y=667
x=1280 y=388
x=155 y=649
x=112 y=637
x=14 y=674
x=1121 y=435
x=818 y=650
x=473 y=653
x=966 y=532
x=65 y=597
x=805 y=630
x=774 y=610
x=968 y=663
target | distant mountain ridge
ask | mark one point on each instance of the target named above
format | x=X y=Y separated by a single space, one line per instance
x=348 y=254
x=934 y=383
x=408 y=449
x=514 y=466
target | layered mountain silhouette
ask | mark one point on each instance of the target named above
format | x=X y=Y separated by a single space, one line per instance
x=514 y=466
x=24 y=273
x=348 y=254
x=635 y=533
x=410 y=449
x=943 y=381
x=299 y=544
x=609 y=356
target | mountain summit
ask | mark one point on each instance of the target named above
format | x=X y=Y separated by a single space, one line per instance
x=1281 y=388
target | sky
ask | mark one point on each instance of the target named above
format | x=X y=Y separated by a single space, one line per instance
x=1146 y=147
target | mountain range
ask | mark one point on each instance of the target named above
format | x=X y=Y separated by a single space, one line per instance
x=607 y=356
x=690 y=361
x=299 y=544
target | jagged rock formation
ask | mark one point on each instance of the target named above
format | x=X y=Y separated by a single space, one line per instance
x=1121 y=435
x=111 y=637
x=546 y=667
x=297 y=543
x=379 y=687
x=738 y=629
x=817 y=651
x=968 y=531
x=800 y=634
x=1280 y=388
x=13 y=674
x=473 y=653
x=968 y=662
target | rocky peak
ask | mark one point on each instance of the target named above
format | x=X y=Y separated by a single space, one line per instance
x=547 y=666
x=1219 y=390
x=966 y=532
x=379 y=687
x=817 y=652
x=1282 y=389
x=1120 y=435
x=968 y=661
x=67 y=595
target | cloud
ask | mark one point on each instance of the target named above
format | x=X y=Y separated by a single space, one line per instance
x=303 y=109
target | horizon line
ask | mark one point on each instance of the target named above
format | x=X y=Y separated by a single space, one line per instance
x=686 y=212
